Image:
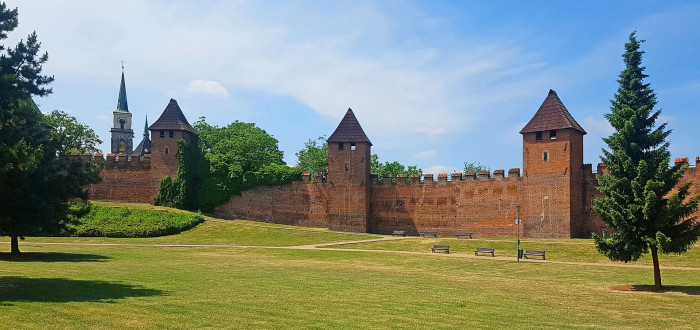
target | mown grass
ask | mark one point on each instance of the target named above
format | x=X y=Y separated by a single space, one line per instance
x=103 y=221
x=276 y=288
x=132 y=286
x=576 y=250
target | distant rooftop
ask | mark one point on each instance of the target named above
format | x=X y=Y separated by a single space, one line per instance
x=551 y=115
x=172 y=118
x=349 y=130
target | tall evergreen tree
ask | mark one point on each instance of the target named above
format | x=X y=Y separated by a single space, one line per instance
x=35 y=184
x=643 y=203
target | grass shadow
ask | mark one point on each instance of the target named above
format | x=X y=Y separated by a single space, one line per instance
x=24 y=289
x=52 y=257
x=690 y=290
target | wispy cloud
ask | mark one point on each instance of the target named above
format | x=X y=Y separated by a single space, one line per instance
x=437 y=169
x=203 y=86
x=425 y=154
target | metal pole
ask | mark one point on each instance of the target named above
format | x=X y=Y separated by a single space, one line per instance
x=517 y=222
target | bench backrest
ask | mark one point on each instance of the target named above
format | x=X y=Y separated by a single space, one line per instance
x=534 y=251
x=441 y=246
x=484 y=249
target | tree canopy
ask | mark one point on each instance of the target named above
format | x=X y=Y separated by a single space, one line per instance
x=35 y=183
x=313 y=158
x=221 y=162
x=475 y=167
x=643 y=203
x=394 y=168
x=70 y=134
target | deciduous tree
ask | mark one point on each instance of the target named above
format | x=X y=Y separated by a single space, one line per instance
x=313 y=158
x=70 y=134
x=643 y=203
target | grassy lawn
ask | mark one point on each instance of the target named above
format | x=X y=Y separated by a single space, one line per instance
x=82 y=286
x=576 y=250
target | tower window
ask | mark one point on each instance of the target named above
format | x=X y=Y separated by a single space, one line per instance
x=166 y=150
x=552 y=135
x=170 y=133
x=545 y=156
x=347 y=166
x=121 y=123
x=122 y=146
x=538 y=136
x=352 y=146
x=162 y=133
x=341 y=146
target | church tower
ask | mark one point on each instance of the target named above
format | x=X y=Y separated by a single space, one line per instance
x=122 y=134
x=552 y=166
x=349 y=152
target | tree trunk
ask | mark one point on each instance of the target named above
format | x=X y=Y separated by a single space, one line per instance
x=657 y=271
x=14 y=245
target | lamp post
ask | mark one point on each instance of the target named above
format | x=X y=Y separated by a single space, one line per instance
x=517 y=222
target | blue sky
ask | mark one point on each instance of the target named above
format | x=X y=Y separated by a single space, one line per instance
x=433 y=83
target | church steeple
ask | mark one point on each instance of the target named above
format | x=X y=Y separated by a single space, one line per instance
x=122 y=134
x=122 y=105
x=145 y=128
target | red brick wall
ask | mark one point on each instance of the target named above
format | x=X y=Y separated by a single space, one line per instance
x=127 y=179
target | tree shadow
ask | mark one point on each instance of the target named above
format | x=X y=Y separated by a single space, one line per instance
x=52 y=257
x=24 y=289
x=691 y=290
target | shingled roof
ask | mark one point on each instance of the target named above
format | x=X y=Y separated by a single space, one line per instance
x=172 y=118
x=551 y=115
x=349 y=130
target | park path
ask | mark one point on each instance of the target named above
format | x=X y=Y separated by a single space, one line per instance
x=329 y=247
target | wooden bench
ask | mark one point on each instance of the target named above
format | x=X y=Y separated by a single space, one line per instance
x=484 y=250
x=429 y=233
x=398 y=232
x=464 y=234
x=445 y=248
x=534 y=253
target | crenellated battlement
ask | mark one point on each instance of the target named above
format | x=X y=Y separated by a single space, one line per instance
x=442 y=178
x=113 y=161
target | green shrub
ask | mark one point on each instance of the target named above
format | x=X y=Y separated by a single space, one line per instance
x=122 y=222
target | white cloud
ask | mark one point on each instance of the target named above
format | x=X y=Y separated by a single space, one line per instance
x=437 y=169
x=328 y=61
x=425 y=154
x=203 y=86
x=597 y=126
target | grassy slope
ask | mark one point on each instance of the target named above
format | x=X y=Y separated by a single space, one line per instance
x=118 y=286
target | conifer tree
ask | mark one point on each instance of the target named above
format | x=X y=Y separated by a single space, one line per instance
x=643 y=203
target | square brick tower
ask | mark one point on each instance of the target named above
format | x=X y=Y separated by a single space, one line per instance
x=171 y=127
x=349 y=152
x=552 y=167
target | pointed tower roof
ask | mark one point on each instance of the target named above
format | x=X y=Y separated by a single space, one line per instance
x=172 y=118
x=551 y=115
x=349 y=130
x=122 y=105
x=145 y=127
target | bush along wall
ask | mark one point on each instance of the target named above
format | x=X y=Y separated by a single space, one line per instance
x=198 y=186
x=99 y=221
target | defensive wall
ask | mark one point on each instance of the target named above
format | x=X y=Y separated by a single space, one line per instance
x=483 y=203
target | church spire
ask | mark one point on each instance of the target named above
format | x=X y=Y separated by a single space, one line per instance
x=145 y=127
x=121 y=103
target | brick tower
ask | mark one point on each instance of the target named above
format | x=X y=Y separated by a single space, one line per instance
x=122 y=134
x=171 y=127
x=349 y=152
x=552 y=167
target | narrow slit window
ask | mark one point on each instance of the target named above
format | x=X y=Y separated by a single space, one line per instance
x=166 y=150
x=538 y=136
x=347 y=166
x=352 y=146
x=552 y=135
x=341 y=146
x=545 y=156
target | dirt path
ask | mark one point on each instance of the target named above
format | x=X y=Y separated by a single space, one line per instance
x=329 y=247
